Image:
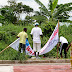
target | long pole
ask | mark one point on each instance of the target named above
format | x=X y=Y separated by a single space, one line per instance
x=71 y=55
x=57 y=44
x=4 y=49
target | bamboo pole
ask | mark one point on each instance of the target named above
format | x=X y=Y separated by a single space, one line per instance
x=71 y=55
x=57 y=44
x=4 y=49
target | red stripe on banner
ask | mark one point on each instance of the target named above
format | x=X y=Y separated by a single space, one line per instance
x=29 y=50
x=56 y=31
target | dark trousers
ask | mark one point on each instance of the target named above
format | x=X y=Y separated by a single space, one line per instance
x=64 y=46
x=22 y=46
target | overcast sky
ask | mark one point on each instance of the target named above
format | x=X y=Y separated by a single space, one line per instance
x=33 y=4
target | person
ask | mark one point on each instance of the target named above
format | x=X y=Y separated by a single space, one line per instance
x=36 y=32
x=63 y=45
x=22 y=35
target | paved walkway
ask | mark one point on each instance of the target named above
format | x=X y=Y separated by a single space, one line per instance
x=45 y=67
x=6 y=69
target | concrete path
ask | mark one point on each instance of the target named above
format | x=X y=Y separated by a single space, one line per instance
x=43 y=68
x=39 y=67
x=6 y=69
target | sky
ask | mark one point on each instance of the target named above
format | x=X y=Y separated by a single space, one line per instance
x=33 y=4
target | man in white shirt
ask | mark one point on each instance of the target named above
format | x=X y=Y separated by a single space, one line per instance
x=64 y=45
x=36 y=32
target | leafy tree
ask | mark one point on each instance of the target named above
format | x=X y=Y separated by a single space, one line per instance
x=39 y=17
x=8 y=15
x=48 y=28
x=19 y=8
x=12 y=12
x=55 y=11
x=28 y=20
x=1 y=18
x=63 y=12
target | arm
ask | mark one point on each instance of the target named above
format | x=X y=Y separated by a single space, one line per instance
x=17 y=37
x=68 y=47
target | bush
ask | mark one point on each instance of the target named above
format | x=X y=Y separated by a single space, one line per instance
x=48 y=28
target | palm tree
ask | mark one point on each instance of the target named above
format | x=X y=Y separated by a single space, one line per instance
x=55 y=11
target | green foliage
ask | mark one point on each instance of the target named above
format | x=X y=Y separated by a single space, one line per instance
x=39 y=18
x=1 y=17
x=12 y=13
x=52 y=5
x=66 y=32
x=8 y=15
x=55 y=11
x=63 y=12
x=48 y=28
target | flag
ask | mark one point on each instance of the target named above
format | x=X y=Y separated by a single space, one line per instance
x=29 y=50
x=15 y=45
x=53 y=40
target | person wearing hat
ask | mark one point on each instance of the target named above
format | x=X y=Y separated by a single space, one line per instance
x=36 y=32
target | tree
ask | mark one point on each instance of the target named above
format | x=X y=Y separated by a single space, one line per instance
x=8 y=15
x=12 y=12
x=55 y=11
x=39 y=18
x=1 y=18
x=19 y=8
x=63 y=12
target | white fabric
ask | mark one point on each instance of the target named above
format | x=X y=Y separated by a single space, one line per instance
x=15 y=45
x=36 y=47
x=36 y=32
x=63 y=40
x=51 y=42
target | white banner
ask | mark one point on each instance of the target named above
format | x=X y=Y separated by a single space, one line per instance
x=51 y=42
x=15 y=45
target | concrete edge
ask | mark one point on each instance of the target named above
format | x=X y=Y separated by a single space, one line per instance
x=34 y=61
